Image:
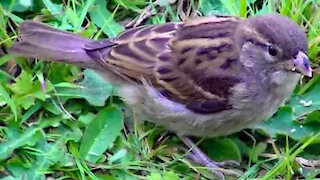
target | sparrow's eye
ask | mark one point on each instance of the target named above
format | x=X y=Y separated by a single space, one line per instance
x=272 y=50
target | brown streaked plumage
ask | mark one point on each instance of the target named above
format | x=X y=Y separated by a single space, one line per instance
x=202 y=74
x=134 y=54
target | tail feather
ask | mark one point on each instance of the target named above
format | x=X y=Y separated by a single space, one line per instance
x=40 y=41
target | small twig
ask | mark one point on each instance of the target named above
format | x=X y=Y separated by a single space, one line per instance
x=305 y=163
x=271 y=141
x=146 y=12
x=309 y=164
x=62 y=107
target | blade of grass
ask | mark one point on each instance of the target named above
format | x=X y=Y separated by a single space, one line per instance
x=289 y=158
x=9 y=101
x=231 y=6
x=13 y=17
x=83 y=14
x=243 y=8
x=51 y=7
x=105 y=24
x=3 y=32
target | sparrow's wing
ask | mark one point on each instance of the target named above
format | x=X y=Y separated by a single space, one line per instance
x=194 y=63
x=133 y=54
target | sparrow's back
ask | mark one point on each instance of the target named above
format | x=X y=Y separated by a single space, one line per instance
x=165 y=55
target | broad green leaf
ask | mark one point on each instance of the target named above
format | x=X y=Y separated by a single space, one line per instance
x=307 y=102
x=4 y=76
x=212 y=7
x=154 y=176
x=313 y=117
x=3 y=102
x=231 y=6
x=23 y=84
x=101 y=133
x=51 y=154
x=83 y=14
x=90 y=30
x=170 y=175
x=16 y=7
x=103 y=19
x=62 y=75
x=70 y=131
x=118 y=155
x=27 y=90
x=55 y=9
x=85 y=119
x=29 y=137
x=25 y=102
x=93 y=88
x=48 y=155
x=285 y=121
x=71 y=16
x=13 y=17
x=17 y=168
x=5 y=58
x=225 y=7
x=221 y=149
x=257 y=150
x=26 y=3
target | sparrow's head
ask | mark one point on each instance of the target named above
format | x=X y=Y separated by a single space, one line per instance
x=275 y=42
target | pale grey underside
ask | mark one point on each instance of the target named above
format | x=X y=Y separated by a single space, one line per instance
x=247 y=109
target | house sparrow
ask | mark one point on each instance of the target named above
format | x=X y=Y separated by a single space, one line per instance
x=209 y=76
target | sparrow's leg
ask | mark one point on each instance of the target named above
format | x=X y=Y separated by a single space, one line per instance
x=201 y=158
x=197 y=155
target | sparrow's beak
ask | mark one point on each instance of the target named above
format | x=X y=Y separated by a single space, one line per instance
x=301 y=64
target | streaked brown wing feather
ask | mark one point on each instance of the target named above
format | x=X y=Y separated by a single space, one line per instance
x=133 y=53
x=190 y=62
x=203 y=58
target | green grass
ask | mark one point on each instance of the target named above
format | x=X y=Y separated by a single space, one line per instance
x=56 y=120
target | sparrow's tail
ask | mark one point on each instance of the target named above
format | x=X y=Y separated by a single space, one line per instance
x=40 y=41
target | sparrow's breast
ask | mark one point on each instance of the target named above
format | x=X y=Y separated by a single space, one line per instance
x=250 y=104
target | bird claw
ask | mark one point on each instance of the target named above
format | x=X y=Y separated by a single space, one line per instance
x=197 y=156
x=229 y=163
x=213 y=166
